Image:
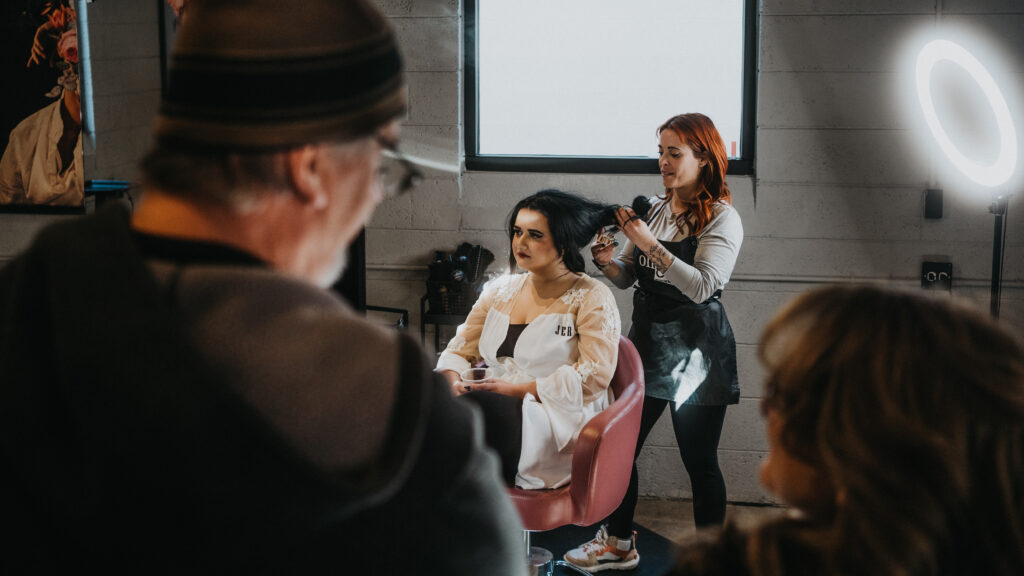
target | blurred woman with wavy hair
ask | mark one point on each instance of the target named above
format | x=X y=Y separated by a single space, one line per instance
x=896 y=431
x=680 y=254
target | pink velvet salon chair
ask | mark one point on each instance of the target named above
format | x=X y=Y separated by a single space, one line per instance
x=601 y=464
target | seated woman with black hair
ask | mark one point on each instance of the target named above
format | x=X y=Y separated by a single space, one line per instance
x=550 y=334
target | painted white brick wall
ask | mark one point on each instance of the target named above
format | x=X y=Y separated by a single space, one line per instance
x=125 y=46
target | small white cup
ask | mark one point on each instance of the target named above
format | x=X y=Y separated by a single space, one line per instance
x=474 y=375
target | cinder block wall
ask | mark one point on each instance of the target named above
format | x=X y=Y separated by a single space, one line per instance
x=837 y=197
x=125 y=46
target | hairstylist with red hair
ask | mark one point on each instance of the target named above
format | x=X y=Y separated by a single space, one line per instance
x=680 y=257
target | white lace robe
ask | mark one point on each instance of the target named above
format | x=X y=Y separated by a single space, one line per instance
x=570 y=350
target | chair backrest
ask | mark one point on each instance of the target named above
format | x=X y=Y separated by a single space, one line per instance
x=603 y=458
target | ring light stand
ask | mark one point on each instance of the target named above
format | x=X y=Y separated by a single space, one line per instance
x=991 y=175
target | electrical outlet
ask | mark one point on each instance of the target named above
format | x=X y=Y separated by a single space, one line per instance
x=937 y=275
x=933 y=204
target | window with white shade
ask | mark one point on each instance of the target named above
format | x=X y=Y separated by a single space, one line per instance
x=581 y=85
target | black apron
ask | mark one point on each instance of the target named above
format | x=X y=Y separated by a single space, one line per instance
x=688 y=348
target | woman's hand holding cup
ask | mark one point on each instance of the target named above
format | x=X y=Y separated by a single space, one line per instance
x=486 y=379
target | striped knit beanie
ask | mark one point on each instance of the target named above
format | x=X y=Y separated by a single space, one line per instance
x=262 y=74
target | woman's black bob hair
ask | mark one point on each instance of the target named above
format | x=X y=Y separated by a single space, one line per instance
x=572 y=220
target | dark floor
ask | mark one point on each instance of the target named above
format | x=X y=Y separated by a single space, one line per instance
x=659 y=524
x=673 y=519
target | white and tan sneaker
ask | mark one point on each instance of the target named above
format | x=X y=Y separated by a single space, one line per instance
x=605 y=552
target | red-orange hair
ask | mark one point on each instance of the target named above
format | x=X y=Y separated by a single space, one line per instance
x=700 y=134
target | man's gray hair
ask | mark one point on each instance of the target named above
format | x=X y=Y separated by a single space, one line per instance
x=228 y=177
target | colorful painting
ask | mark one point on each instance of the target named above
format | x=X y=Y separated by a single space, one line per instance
x=40 y=134
x=179 y=7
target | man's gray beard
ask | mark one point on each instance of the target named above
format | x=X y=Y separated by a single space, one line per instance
x=334 y=274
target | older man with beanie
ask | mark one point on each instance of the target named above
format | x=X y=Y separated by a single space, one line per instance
x=181 y=394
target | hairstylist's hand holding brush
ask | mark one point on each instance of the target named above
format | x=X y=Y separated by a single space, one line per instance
x=631 y=220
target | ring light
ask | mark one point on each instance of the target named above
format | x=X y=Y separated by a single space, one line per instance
x=987 y=175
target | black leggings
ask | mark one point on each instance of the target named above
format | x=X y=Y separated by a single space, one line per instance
x=503 y=428
x=698 y=429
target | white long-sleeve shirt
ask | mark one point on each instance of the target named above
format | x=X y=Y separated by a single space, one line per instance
x=570 y=350
x=31 y=171
x=717 y=249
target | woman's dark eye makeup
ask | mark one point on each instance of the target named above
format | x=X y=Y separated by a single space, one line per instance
x=516 y=231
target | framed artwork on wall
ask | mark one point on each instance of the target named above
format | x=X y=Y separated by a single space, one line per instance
x=41 y=121
x=171 y=14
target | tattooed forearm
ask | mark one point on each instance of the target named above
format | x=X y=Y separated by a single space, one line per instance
x=612 y=270
x=660 y=257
